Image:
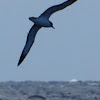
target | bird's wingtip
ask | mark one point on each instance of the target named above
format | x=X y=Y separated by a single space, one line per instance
x=18 y=63
x=22 y=57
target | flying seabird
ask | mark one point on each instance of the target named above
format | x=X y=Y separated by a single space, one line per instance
x=41 y=21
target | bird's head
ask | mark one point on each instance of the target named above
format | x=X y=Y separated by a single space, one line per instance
x=52 y=25
x=32 y=18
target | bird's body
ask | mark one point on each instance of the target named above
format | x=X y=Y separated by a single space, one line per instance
x=41 y=21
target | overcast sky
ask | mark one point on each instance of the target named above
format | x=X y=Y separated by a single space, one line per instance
x=72 y=50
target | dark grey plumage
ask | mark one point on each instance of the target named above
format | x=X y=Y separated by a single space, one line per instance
x=29 y=42
x=56 y=8
x=41 y=21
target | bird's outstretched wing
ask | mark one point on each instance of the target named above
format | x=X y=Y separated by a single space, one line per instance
x=55 y=8
x=29 y=42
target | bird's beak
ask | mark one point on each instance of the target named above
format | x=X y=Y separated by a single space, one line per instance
x=53 y=27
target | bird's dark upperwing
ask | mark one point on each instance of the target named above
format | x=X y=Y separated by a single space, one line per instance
x=29 y=42
x=55 y=8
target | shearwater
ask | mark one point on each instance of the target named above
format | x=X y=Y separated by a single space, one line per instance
x=41 y=21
